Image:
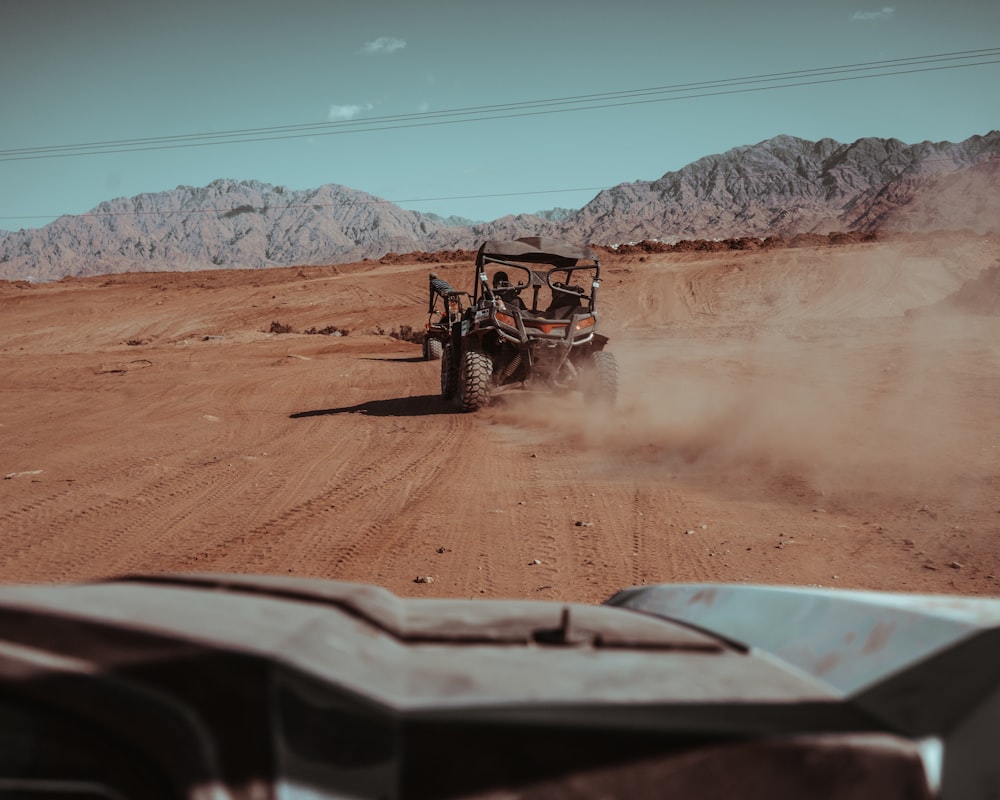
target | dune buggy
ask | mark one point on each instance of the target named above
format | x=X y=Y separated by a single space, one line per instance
x=532 y=323
x=444 y=309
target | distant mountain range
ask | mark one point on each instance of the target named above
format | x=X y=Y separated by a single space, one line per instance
x=779 y=187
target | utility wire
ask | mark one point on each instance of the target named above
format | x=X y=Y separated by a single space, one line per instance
x=586 y=102
x=909 y=61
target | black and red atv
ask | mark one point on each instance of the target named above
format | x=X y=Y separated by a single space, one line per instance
x=532 y=323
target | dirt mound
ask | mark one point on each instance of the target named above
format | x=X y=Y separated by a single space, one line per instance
x=743 y=243
x=421 y=257
x=627 y=252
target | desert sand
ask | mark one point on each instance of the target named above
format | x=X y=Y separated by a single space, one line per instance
x=811 y=416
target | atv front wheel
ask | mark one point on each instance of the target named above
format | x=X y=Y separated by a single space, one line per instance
x=474 y=383
x=449 y=373
x=602 y=378
x=434 y=349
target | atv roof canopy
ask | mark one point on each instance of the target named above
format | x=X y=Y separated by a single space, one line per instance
x=534 y=250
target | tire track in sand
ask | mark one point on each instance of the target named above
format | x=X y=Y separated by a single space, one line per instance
x=54 y=536
x=365 y=485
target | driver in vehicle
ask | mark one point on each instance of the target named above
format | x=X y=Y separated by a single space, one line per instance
x=506 y=291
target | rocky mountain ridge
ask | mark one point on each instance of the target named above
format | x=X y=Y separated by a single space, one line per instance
x=784 y=186
x=780 y=187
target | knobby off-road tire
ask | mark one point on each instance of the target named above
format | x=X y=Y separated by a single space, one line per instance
x=434 y=349
x=474 y=380
x=602 y=382
x=449 y=373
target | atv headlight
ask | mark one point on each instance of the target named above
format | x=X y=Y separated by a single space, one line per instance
x=506 y=319
x=583 y=324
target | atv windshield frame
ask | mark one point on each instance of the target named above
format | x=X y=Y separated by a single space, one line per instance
x=563 y=278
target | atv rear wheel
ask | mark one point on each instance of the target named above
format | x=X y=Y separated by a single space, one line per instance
x=449 y=373
x=434 y=349
x=474 y=380
x=602 y=378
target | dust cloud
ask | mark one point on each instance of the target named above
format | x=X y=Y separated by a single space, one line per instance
x=814 y=374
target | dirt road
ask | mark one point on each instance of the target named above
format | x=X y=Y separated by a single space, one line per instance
x=782 y=420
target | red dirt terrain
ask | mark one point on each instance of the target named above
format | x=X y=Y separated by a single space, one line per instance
x=824 y=414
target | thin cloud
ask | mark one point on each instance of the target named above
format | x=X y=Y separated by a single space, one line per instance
x=886 y=12
x=383 y=44
x=345 y=112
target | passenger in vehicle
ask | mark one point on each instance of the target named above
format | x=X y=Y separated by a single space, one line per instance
x=564 y=303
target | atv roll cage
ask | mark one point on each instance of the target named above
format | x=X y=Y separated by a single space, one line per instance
x=566 y=312
x=539 y=330
x=563 y=259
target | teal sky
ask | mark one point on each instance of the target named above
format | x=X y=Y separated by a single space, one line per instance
x=85 y=71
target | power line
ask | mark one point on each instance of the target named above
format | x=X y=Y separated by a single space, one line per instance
x=584 y=102
x=574 y=103
x=963 y=54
